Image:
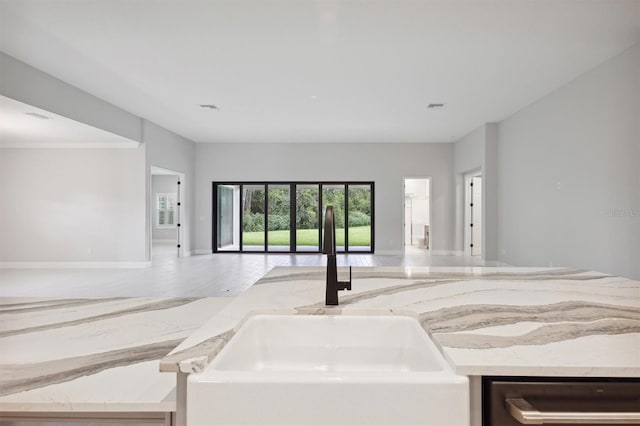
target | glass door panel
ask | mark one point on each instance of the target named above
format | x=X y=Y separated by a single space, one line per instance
x=279 y=217
x=333 y=195
x=359 y=210
x=228 y=218
x=253 y=230
x=307 y=218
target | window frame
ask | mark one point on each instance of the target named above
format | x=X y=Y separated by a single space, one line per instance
x=166 y=195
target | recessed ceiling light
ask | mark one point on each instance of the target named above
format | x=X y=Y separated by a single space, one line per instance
x=434 y=106
x=313 y=97
x=208 y=106
x=36 y=115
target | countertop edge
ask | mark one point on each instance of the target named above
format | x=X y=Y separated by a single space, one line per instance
x=88 y=407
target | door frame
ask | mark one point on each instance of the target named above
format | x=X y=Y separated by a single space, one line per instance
x=466 y=222
x=232 y=223
x=293 y=185
x=182 y=251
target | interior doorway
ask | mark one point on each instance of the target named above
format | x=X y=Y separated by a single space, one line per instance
x=417 y=213
x=167 y=210
x=473 y=215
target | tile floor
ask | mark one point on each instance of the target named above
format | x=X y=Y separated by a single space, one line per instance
x=225 y=274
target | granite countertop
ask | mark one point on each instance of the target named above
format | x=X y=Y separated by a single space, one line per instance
x=93 y=354
x=103 y=354
x=488 y=321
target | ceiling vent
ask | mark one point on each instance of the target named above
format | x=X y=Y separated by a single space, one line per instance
x=208 y=106
x=434 y=106
x=36 y=115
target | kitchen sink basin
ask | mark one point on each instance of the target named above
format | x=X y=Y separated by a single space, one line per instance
x=328 y=370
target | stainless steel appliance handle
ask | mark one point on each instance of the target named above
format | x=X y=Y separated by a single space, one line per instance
x=521 y=410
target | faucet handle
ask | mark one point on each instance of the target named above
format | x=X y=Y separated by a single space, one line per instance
x=346 y=285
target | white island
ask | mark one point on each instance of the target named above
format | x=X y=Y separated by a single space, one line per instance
x=70 y=359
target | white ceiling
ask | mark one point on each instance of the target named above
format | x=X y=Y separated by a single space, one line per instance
x=20 y=130
x=372 y=66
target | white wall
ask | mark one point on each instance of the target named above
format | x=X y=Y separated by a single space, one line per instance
x=168 y=150
x=97 y=217
x=569 y=188
x=72 y=205
x=490 y=197
x=417 y=187
x=29 y=85
x=478 y=152
x=469 y=151
x=385 y=164
x=468 y=157
x=162 y=184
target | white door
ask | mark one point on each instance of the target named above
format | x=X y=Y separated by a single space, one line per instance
x=476 y=215
x=408 y=221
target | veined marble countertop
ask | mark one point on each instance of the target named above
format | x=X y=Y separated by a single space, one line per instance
x=488 y=321
x=93 y=354
x=102 y=354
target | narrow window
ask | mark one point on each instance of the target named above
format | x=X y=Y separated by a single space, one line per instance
x=166 y=210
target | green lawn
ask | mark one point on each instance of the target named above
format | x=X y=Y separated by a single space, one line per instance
x=358 y=236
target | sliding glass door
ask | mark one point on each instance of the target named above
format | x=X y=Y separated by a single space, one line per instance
x=228 y=218
x=333 y=195
x=307 y=218
x=360 y=218
x=279 y=218
x=253 y=217
x=286 y=217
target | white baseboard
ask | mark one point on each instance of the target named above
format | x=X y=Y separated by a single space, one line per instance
x=389 y=252
x=447 y=252
x=202 y=251
x=74 y=265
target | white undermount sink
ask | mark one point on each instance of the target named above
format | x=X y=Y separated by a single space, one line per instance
x=328 y=370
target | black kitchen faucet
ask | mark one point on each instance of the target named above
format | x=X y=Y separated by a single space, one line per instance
x=329 y=248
